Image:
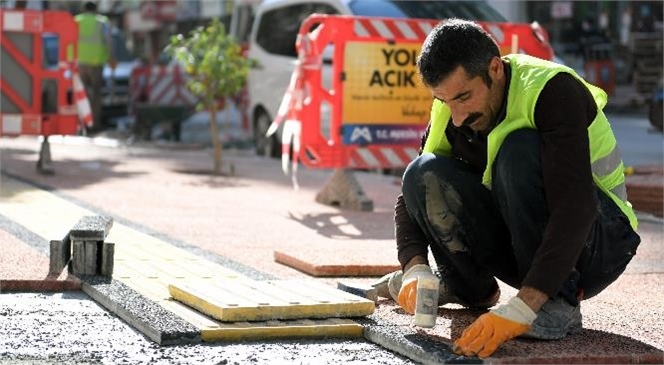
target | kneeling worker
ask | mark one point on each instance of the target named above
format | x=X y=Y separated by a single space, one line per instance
x=520 y=179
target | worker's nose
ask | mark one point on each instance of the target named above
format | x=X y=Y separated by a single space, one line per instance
x=458 y=116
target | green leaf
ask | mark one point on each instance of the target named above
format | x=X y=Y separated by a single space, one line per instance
x=214 y=61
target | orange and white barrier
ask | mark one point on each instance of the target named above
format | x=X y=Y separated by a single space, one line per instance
x=160 y=85
x=27 y=107
x=20 y=124
x=167 y=86
x=82 y=103
x=378 y=110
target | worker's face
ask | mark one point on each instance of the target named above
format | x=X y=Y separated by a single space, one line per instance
x=473 y=103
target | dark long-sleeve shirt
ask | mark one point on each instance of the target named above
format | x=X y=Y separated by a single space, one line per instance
x=564 y=110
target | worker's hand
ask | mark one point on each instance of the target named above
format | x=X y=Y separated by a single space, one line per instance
x=408 y=292
x=491 y=329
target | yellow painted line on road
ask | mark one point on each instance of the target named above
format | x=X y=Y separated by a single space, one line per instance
x=245 y=300
x=148 y=265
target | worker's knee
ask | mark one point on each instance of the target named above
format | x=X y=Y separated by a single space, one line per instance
x=426 y=164
x=425 y=169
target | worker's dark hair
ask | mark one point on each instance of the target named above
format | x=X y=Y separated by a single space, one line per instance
x=453 y=43
x=90 y=6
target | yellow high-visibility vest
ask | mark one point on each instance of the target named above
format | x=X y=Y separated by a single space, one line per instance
x=92 y=46
x=529 y=75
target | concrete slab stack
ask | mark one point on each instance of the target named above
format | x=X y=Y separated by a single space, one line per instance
x=83 y=249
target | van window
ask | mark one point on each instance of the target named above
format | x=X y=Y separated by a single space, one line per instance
x=241 y=22
x=278 y=28
x=431 y=9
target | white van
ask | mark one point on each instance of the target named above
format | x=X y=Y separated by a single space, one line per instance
x=272 y=44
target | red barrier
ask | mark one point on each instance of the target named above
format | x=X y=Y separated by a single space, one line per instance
x=602 y=73
x=368 y=108
x=160 y=85
x=37 y=100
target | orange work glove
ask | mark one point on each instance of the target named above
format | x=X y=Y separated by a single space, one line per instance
x=408 y=293
x=491 y=329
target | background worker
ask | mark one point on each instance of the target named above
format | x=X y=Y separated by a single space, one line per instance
x=519 y=179
x=94 y=51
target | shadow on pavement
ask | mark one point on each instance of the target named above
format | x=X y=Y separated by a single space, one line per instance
x=350 y=225
x=69 y=173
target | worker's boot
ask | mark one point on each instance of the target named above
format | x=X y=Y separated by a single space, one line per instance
x=555 y=320
x=389 y=286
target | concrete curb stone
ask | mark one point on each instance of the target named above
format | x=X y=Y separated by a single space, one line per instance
x=149 y=318
x=408 y=342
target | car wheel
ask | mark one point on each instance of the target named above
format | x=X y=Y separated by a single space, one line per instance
x=265 y=146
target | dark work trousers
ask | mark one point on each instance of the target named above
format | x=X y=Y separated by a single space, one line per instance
x=92 y=77
x=475 y=236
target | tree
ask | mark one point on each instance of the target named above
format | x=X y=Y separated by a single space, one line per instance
x=216 y=68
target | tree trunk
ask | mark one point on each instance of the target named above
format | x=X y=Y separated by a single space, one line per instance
x=216 y=142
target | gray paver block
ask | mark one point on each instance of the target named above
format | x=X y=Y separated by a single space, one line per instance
x=59 y=255
x=90 y=261
x=107 y=258
x=91 y=228
x=364 y=291
x=146 y=316
x=408 y=342
x=85 y=257
x=78 y=258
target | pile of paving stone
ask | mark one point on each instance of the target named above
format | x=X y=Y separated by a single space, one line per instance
x=83 y=250
x=645 y=189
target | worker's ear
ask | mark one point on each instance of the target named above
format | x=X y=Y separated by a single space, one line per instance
x=496 y=68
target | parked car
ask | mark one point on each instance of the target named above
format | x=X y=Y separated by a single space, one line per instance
x=115 y=89
x=656 y=105
x=277 y=22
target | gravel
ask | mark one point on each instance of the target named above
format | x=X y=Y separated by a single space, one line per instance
x=69 y=327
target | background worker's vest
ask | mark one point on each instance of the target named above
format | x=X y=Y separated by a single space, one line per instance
x=529 y=75
x=92 y=46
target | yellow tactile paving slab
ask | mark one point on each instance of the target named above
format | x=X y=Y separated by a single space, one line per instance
x=322 y=328
x=243 y=300
x=148 y=265
x=140 y=259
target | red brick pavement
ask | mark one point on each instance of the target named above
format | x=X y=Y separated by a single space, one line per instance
x=248 y=217
x=645 y=189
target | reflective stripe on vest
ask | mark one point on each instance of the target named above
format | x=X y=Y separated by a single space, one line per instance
x=92 y=47
x=607 y=165
x=529 y=75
